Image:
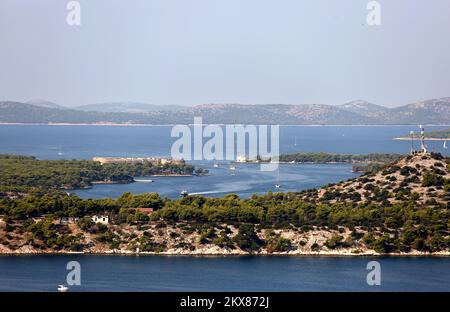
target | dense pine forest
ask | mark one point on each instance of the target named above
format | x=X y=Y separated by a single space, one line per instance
x=402 y=207
x=29 y=171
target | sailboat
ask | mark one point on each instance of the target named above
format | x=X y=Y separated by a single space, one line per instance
x=277 y=184
x=60 y=153
x=445 y=144
x=216 y=165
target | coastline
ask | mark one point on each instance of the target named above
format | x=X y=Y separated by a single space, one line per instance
x=416 y=139
x=189 y=124
x=93 y=183
x=171 y=175
x=230 y=253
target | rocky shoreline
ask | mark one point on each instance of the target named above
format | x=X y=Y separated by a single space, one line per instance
x=181 y=252
x=302 y=244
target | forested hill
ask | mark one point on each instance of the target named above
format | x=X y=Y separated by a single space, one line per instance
x=403 y=208
x=434 y=111
x=421 y=178
x=321 y=157
x=31 y=172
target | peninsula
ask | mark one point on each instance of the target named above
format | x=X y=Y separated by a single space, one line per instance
x=401 y=209
x=440 y=135
x=27 y=171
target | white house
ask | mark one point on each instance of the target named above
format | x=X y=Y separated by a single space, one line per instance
x=68 y=220
x=101 y=219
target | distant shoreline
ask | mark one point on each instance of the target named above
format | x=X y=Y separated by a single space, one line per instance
x=170 y=124
x=416 y=139
x=341 y=253
x=93 y=183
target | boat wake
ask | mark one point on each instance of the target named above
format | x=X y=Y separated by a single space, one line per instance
x=144 y=180
x=206 y=193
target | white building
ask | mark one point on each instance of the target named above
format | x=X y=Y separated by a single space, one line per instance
x=242 y=159
x=101 y=219
x=68 y=220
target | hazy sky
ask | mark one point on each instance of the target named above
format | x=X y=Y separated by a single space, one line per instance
x=224 y=51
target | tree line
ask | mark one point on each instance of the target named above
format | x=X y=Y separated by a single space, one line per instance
x=29 y=171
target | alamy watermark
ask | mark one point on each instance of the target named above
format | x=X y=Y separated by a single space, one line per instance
x=373 y=278
x=374 y=15
x=73 y=278
x=253 y=143
x=73 y=17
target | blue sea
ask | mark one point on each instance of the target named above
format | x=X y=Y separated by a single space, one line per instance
x=85 y=142
x=189 y=273
x=230 y=273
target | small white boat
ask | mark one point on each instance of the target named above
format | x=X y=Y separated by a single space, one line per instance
x=184 y=193
x=277 y=184
x=216 y=165
x=445 y=144
x=232 y=168
x=62 y=288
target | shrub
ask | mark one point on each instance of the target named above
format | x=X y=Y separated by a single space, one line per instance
x=247 y=239
x=334 y=242
x=279 y=244
x=383 y=244
x=315 y=247
x=431 y=179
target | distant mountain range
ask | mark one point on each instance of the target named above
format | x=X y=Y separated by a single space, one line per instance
x=127 y=107
x=434 y=111
x=44 y=103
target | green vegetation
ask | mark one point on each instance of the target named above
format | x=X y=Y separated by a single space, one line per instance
x=276 y=243
x=412 y=223
x=362 y=163
x=433 y=111
x=368 y=168
x=29 y=171
x=377 y=223
x=432 y=179
x=339 y=158
x=247 y=239
x=46 y=234
x=438 y=134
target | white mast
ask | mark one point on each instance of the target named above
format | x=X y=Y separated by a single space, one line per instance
x=423 y=146
x=411 y=133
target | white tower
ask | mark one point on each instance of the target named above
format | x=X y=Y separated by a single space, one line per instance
x=423 y=146
x=411 y=134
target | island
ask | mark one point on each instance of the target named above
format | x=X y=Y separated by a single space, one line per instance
x=361 y=163
x=71 y=174
x=439 y=135
x=402 y=209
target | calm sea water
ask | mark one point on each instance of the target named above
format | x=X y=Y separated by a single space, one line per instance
x=240 y=273
x=85 y=142
x=247 y=180
x=162 y=273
